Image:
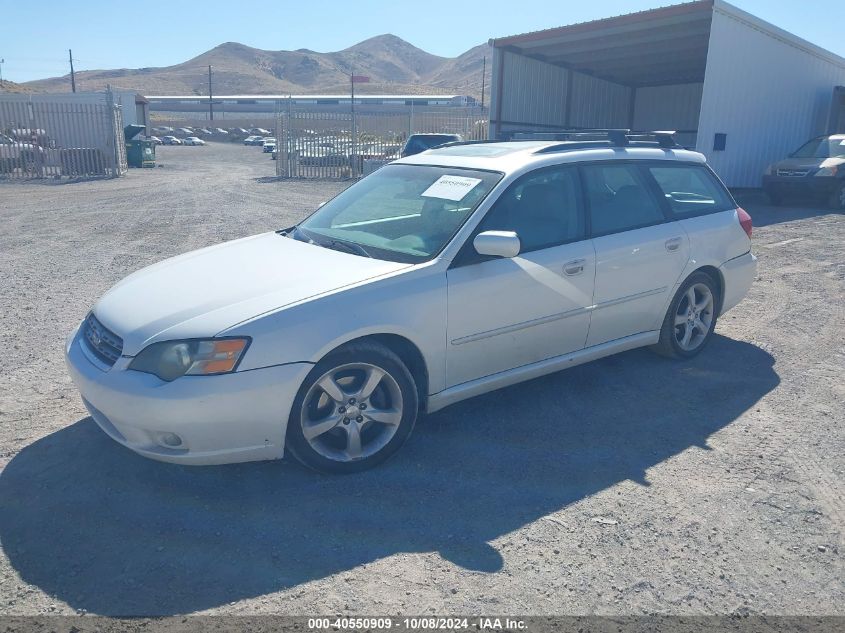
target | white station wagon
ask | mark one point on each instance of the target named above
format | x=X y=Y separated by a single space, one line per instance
x=440 y=277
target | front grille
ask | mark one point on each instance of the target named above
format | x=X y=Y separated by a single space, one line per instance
x=103 y=343
x=793 y=173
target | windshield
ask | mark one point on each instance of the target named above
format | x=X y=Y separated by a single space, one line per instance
x=822 y=148
x=405 y=213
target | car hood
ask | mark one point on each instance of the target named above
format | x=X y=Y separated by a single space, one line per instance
x=204 y=292
x=808 y=163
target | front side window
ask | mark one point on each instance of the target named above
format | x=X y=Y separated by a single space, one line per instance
x=541 y=208
x=691 y=189
x=401 y=212
x=619 y=198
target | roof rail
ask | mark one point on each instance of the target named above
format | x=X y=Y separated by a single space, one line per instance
x=620 y=137
x=478 y=142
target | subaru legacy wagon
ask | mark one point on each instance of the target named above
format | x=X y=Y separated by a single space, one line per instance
x=440 y=277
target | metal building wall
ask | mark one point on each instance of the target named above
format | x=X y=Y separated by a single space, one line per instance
x=529 y=94
x=532 y=93
x=674 y=107
x=599 y=103
x=766 y=89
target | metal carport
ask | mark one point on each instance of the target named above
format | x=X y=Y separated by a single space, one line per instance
x=718 y=75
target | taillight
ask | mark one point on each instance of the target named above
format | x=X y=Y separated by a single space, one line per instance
x=745 y=221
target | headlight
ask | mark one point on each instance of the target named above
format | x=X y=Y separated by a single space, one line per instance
x=198 y=357
x=826 y=171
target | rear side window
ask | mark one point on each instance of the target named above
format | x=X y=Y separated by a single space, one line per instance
x=691 y=190
x=619 y=199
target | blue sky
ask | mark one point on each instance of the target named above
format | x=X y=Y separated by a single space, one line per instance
x=36 y=34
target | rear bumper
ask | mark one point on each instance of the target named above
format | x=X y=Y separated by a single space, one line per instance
x=809 y=186
x=739 y=274
x=218 y=419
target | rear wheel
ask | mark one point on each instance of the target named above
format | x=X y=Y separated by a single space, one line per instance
x=354 y=410
x=691 y=318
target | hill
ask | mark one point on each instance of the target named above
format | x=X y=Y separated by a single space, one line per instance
x=11 y=86
x=393 y=65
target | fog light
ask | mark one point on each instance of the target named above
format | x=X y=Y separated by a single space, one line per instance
x=171 y=439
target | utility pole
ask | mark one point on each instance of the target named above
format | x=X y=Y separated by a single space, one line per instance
x=210 y=103
x=354 y=127
x=72 y=76
x=483 y=77
x=2 y=61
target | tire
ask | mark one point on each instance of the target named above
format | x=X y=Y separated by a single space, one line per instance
x=837 y=198
x=775 y=198
x=679 y=320
x=363 y=378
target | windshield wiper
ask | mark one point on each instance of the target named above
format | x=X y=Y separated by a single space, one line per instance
x=351 y=247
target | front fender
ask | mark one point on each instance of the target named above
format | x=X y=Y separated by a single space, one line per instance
x=411 y=305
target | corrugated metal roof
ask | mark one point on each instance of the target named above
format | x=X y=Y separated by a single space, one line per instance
x=659 y=46
x=604 y=23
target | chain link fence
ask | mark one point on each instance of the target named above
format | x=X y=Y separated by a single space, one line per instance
x=349 y=145
x=61 y=136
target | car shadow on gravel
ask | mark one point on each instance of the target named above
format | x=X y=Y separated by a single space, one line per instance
x=107 y=531
x=768 y=215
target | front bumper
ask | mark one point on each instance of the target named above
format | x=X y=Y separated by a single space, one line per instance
x=807 y=186
x=220 y=419
x=739 y=274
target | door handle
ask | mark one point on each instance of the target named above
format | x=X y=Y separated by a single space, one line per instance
x=575 y=267
x=673 y=244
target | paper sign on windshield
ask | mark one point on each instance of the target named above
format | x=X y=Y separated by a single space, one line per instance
x=451 y=187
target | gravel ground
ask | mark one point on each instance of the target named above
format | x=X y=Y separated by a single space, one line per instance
x=630 y=485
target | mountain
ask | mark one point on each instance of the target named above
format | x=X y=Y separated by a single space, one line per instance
x=393 y=65
x=11 y=86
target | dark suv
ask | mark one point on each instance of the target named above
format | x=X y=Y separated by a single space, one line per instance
x=421 y=142
x=814 y=170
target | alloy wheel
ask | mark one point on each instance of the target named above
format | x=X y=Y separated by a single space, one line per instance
x=351 y=412
x=694 y=317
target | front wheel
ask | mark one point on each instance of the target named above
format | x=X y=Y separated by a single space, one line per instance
x=354 y=410
x=837 y=200
x=774 y=197
x=691 y=318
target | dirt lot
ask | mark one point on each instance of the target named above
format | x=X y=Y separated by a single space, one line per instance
x=718 y=482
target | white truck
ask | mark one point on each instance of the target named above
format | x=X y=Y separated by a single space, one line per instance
x=17 y=155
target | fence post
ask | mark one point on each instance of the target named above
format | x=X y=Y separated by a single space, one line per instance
x=115 y=153
x=291 y=142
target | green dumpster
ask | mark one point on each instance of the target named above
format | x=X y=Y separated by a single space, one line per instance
x=139 y=152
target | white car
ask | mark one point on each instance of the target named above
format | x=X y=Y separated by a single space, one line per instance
x=269 y=145
x=170 y=140
x=440 y=277
x=193 y=140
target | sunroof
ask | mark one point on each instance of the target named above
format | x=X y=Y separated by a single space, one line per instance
x=490 y=150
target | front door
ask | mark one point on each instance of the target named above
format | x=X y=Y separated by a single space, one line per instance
x=509 y=312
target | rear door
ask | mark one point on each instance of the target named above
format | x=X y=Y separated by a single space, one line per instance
x=704 y=208
x=640 y=250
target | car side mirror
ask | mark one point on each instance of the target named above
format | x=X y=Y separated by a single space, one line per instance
x=497 y=243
